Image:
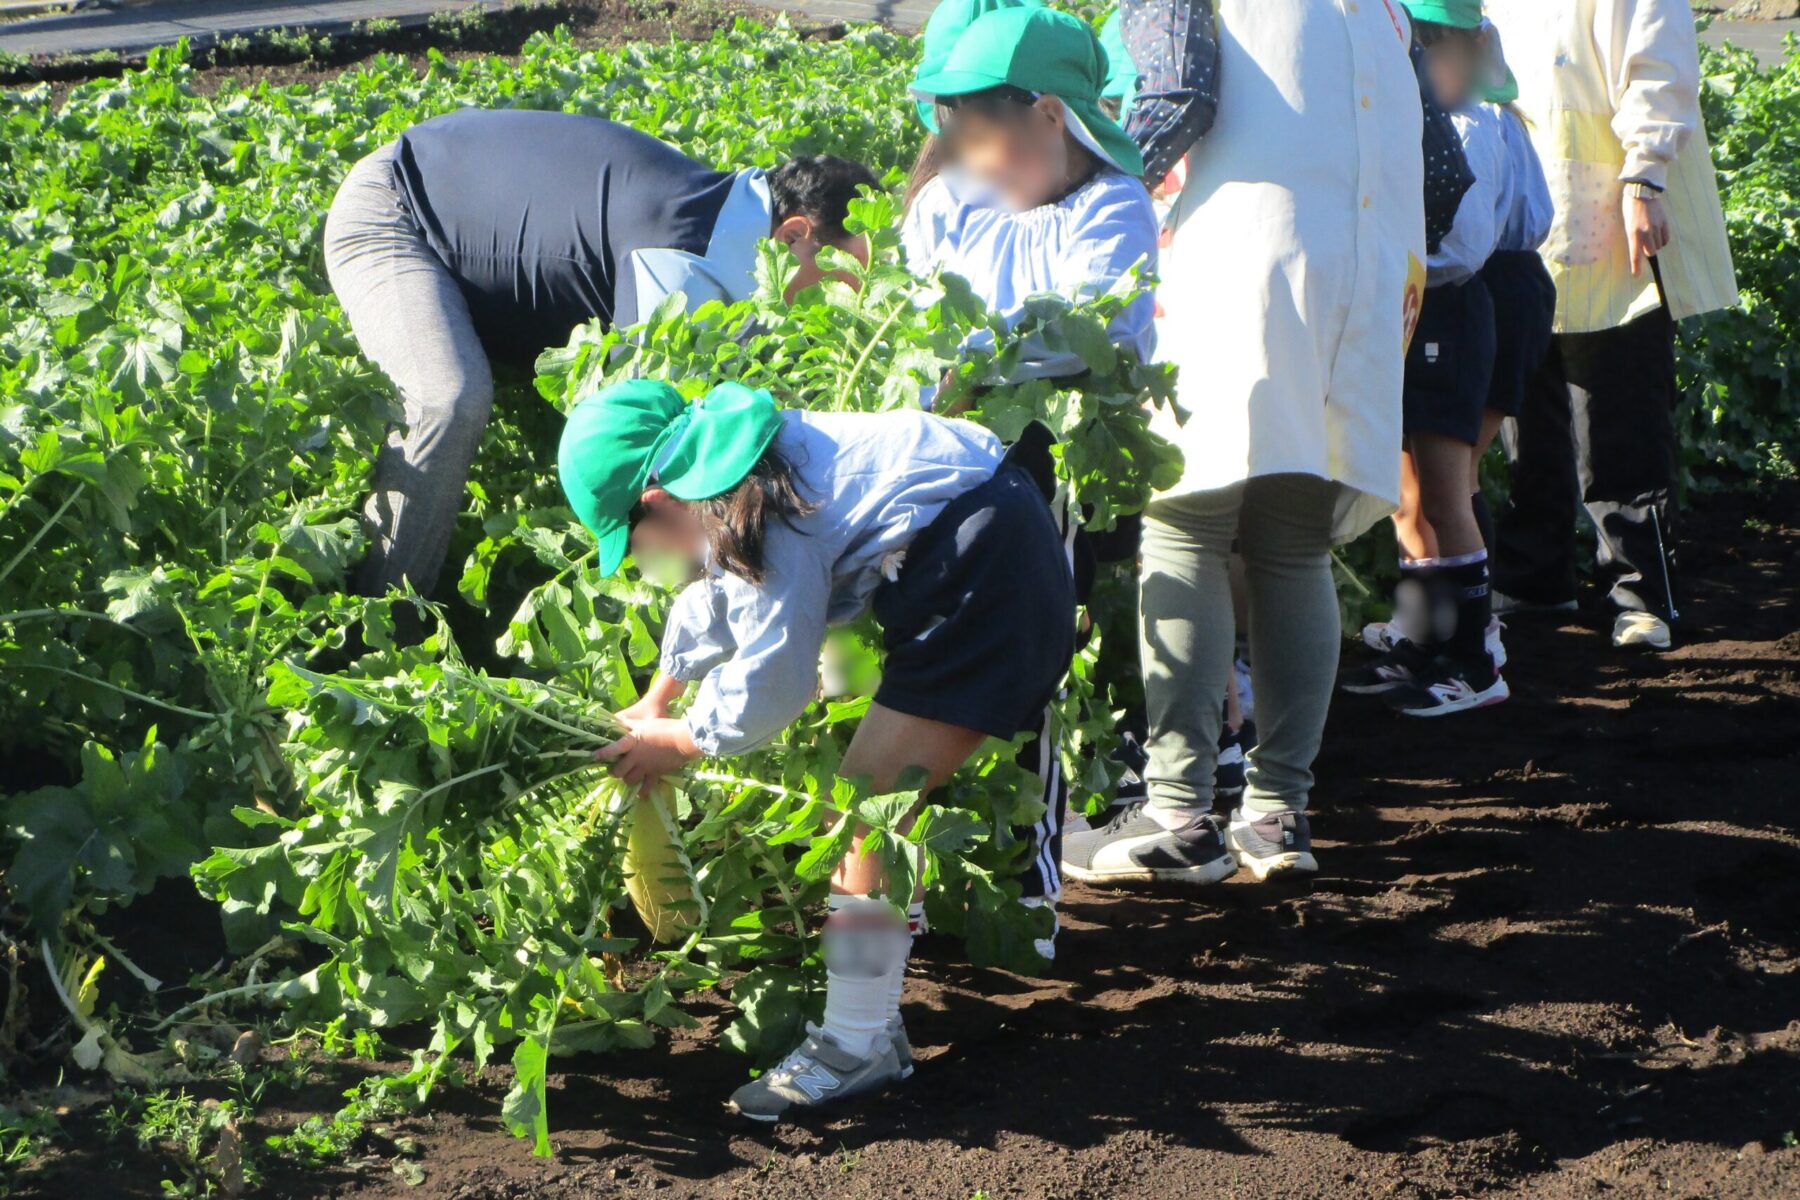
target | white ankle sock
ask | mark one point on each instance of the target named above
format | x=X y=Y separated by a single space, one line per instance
x=865 y=948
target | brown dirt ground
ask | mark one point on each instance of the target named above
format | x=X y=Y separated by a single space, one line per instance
x=1554 y=952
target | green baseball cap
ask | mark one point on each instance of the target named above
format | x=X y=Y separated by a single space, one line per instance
x=625 y=436
x=942 y=28
x=1458 y=14
x=1121 y=72
x=1042 y=51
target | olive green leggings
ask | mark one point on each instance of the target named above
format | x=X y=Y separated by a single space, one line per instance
x=1281 y=524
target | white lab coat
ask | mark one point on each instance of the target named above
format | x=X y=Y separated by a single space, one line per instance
x=1612 y=92
x=1297 y=240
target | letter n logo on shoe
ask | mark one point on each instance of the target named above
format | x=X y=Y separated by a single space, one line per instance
x=815 y=1081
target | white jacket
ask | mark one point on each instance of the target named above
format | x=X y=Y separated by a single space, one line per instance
x=1297 y=238
x=1612 y=91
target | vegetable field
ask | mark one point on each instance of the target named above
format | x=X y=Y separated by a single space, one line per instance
x=306 y=894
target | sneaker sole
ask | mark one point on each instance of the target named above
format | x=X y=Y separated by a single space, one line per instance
x=1297 y=863
x=1212 y=872
x=1498 y=694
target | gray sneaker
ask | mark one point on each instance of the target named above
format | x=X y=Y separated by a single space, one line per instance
x=816 y=1073
x=1273 y=845
x=1134 y=848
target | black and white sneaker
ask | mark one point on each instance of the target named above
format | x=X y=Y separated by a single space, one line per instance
x=1396 y=668
x=1276 y=844
x=1448 y=687
x=1135 y=848
x=1228 y=779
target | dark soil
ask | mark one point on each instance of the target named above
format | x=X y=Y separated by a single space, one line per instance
x=1554 y=952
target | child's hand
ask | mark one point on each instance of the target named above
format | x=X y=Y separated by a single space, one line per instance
x=1646 y=229
x=653 y=749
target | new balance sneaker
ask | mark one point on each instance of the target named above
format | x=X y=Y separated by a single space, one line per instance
x=1504 y=604
x=1383 y=636
x=1273 y=844
x=818 y=1072
x=1396 y=668
x=1640 y=630
x=1134 y=848
x=1448 y=687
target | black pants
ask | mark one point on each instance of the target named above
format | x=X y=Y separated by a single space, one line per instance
x=1596 y=428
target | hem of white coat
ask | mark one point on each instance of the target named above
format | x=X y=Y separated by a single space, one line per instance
x=1355 y=509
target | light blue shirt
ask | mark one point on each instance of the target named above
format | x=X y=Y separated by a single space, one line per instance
x=1527 y=208
x=1077 y=248
x=1507 y=207
x=878 y=479
x=727 y=271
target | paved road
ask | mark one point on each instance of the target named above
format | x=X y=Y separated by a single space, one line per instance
x=131 y=30
x=1764 y=37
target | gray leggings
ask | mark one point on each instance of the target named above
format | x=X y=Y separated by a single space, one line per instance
x=412 y=322
x=1282 y=524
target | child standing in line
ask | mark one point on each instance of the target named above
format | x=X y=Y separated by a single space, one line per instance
x=1524 y=310
x=795 y=521
x=1036 y=190
x=1444 y=658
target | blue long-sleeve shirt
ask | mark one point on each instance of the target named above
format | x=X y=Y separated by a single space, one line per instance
x=878 y=479
x=1077 y=247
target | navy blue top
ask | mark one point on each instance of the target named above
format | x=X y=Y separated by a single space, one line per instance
x=538 y=213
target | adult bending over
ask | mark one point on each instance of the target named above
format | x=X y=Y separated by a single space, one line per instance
x=489 y=236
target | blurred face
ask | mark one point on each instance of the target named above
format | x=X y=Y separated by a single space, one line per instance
x=1021 y=151
x=800 y=236
x=667 y=543
x=1453 y=65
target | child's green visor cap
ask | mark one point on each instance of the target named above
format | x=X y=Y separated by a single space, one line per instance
x=1042 y=51
x=628 y=436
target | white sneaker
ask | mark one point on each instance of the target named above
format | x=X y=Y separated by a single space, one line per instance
x=1635 y=629
x=1383 y=636
x=1045 y=946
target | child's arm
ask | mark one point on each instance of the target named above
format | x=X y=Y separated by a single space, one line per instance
x=1175 y=47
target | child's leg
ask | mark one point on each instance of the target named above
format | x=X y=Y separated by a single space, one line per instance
x=1484 y=518
x=865 y=942
x=1412 y=531
x=1461 y=606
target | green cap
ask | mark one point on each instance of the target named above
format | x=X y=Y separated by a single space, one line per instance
x=942 y=28
x=623 y=436
x=1043 y=51
x=1458 y=14
x=1121 y=72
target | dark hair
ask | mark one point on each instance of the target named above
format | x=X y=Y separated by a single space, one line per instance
x=820 y=189
x=1430 y=33
x=737 y=521
x=1002 y=101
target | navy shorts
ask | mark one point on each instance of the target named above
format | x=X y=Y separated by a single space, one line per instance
x=979 y=627
x=1524 y=311
x=1450 y=362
